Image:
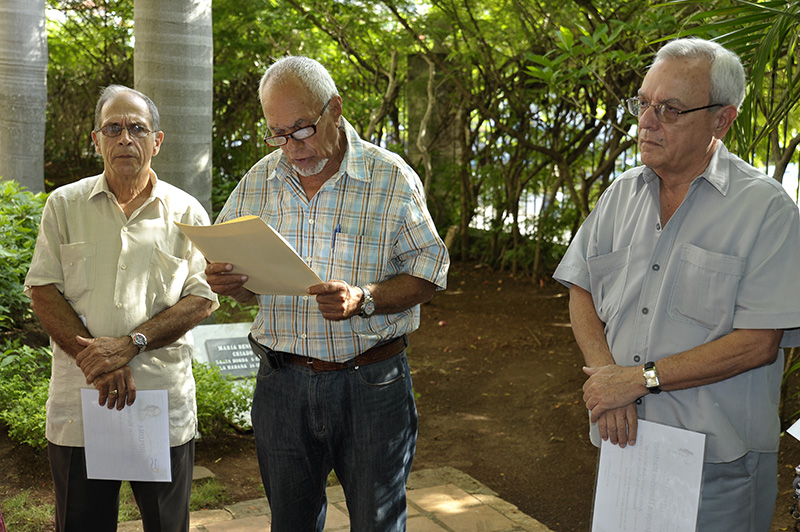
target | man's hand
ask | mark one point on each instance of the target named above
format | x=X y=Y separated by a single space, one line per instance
x=120 y=382
x=619 y=426
x=337 y=300
x=610 y=393
x=104 y=355
x=223 y=282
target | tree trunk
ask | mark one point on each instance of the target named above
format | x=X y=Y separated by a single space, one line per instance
x=173 y=65
x=23 y=91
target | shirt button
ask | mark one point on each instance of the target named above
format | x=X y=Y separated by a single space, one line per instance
x=123 y=267
x=303 y=336
x=124 y=229
x=637 y=358
x=639 y=401
x=656 y=267
x=658 y=227
x=119 y=305
x=305 y=298
x=310 y=221
x=645 y=310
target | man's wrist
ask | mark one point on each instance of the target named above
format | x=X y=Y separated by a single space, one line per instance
x=139 y=340
x=651 y=381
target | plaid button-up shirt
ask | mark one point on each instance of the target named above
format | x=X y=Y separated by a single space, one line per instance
x=375 y=207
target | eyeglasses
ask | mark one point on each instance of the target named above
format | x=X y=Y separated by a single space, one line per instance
x=134 y=130
x=300 y=134
x=664 y=113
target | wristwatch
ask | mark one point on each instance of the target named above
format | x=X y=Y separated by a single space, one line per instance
x=139 y=340
x=368 y=305
x=651 y=377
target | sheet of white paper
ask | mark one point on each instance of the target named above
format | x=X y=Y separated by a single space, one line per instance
x=255 y=249
x=794 y=430
x=127 y=444
x=653 y=486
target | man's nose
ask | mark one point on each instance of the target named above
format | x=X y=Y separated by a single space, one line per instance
x=125 y=137
x=648 y=118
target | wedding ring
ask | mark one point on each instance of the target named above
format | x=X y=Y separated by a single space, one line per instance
x=113 y=392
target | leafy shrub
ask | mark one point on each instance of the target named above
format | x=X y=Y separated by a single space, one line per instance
x=222 y=401
x=20 y=214
x=24 y=383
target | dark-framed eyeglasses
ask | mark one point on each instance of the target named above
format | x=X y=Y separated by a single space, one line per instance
x=664 y=113
x=301 y=134
x=134 y=130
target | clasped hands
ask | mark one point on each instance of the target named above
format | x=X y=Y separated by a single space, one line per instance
x=104 y=364
x=610 y=393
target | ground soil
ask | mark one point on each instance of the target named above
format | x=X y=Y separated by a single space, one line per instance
x=498 y=381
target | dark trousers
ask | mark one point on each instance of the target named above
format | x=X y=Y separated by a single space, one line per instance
x=93 y=505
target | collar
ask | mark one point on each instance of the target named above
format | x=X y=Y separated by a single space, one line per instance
x=715 y=174
x=156 y=192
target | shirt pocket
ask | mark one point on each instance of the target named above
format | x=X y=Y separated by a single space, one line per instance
x=357 y=259
x=705 y=288
x=608 y=275
x=168 y=274
x=78 y=268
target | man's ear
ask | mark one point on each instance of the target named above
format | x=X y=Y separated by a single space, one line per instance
x=159 y=138
x=96 y=143
x=725 y=120
x=336 y=109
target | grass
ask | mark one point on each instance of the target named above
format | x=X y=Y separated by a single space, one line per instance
x=23 y=514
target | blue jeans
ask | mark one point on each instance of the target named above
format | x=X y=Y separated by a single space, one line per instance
x=360 y=422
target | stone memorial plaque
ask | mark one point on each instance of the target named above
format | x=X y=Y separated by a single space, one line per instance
x=232 y=356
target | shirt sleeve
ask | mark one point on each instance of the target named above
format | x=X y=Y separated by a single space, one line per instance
x=419 y=251
x=769 y=294
x=573 y=268
x=45 y=265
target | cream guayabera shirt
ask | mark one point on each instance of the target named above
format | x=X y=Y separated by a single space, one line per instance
x=117 y=273
x=726 y=260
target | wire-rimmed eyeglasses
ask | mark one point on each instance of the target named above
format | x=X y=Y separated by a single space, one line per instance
x=664 y=113
x=134 y=130
x=301 y=134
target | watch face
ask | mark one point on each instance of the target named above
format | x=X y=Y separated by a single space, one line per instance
x=369 y=307
x=139 y=340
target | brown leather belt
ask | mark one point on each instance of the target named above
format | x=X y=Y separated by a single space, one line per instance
x=372 y=355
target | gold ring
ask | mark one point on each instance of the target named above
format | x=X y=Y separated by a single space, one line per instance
x=113 y=392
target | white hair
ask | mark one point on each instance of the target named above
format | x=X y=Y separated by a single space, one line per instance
x=727 y=74
x=309 y=72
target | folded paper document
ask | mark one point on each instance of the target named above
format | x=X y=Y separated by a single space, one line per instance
x=255 y=249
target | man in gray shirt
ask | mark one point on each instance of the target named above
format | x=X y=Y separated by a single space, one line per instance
x=682 y=287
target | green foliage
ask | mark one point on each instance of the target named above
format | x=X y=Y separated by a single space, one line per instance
x=20 y=214
x=231 y=311
x=90 y=47
x=24 y=382
x=222 y=401
x=22 y=513
x=525 y=95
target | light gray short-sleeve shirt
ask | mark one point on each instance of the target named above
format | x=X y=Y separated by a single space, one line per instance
x=725 y=260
